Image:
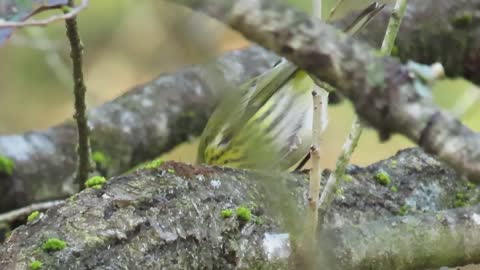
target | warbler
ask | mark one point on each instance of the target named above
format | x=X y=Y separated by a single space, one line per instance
x=266 y=123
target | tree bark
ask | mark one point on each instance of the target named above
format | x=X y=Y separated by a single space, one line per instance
x=383 y=91
x=140 y=125
x=127 y=129
x=170 y=218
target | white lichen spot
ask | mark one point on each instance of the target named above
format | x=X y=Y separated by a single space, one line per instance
x=147 y=103
x=476 y=218
x=215 y=183
x=276 y=246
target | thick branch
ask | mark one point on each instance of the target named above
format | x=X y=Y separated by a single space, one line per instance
x=382 y=91
x=170 y=217
x=41 y=172
x=144 y=123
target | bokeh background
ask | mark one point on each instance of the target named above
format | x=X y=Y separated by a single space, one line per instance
x=131 y=42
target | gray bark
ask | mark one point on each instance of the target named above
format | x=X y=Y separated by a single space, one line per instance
x=382 y=90
x=144 y=123
x=127 y=129
x=169 y=218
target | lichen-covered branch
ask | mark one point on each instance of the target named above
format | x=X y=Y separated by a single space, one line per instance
x=381 y=89
x=45 y=160
x=178 y=216
x=140 y=125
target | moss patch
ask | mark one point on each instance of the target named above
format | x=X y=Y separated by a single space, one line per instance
x=54 y=244
x=383 y=178
x=95 y=182
x=33 y=216
x=35 y=265
x=153 y=164
x=100 y=159
x=226 y=213
x=6 y=166
x=244 y=214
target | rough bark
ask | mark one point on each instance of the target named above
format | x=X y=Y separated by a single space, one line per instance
x=170 y=218
x=434 y=31
x=382 y=90
x=144 y=123
x=45 y=160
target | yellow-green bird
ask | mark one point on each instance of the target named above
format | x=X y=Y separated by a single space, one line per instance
x=267 y=122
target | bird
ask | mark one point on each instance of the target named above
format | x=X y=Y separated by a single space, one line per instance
x=266 y=123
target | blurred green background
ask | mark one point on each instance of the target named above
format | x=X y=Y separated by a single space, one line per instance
x=131 y=42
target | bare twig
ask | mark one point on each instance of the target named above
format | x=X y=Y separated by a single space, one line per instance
x=17 y=213
x=70 y=14
x=320 y=122
x=79 y=91
x=357 y=127
x=334 y=9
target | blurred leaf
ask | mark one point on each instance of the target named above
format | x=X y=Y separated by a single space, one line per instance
x=20 y=10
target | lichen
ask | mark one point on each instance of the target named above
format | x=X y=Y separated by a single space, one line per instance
x=6 y=166
x=35 y=265
x=383 y=178
x=226 y=213
x=33 y=216
x=244 y=214
x=53 y=244
x=95 y=182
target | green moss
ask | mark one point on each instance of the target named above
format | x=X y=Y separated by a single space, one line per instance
x=383 y=178
x=226 y=213
x=100 y=159
x=153 y=164
x=394 y=189
x=244 y=214
x=33 y=216
x=6 y=166
x=463 y=20
x=339 y=191
x=403 y=210
x=259 y=221
x=95 y=182
x=35 y=265
x=54 y=244
x=461 y=200
x=170 y=170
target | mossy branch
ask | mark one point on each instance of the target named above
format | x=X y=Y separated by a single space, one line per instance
x=79 y=90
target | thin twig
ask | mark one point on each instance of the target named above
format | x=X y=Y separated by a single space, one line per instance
x=320 y=122
x=17 y=213
x=70 y=14
x=334 y=9
x=357 y=127
x=79 y=90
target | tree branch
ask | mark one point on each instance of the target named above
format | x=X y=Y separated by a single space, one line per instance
x=381 y=89
x=140 y=125
x=45 y=160
x=170 y=217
